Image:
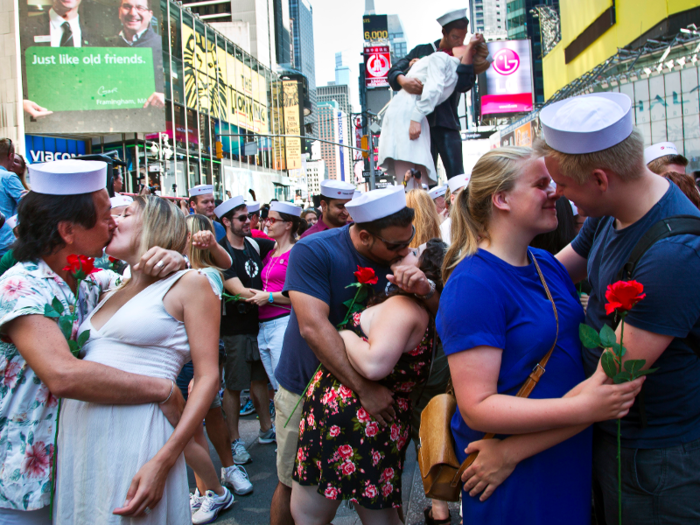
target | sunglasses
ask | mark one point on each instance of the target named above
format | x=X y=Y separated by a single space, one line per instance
x=242 y=218
x=397 y=246
x=272 y=220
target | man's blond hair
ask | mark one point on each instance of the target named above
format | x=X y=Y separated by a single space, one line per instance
x=625 y=159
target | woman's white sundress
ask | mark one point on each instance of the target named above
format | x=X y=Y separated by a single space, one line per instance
x=102 y=447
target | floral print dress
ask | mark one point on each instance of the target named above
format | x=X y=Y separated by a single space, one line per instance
x=343 y=449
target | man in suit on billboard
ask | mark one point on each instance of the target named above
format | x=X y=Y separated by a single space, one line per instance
x=135 y=16
x=60 y=26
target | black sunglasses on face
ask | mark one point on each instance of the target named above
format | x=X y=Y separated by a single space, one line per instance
x=242 y=218
x=397 y=246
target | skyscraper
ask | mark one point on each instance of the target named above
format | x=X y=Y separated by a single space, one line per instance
x=488 y=17
x=302 y=25
x=397 y=40
x=283 y=47
x=332 y=126
x=521 y=24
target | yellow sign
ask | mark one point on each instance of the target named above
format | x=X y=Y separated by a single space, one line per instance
x=223 y=86
x=292 y=126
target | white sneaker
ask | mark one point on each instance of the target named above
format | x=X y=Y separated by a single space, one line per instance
x=239 y=452
x=195 y=501
x=212 y=505
x=237 y=478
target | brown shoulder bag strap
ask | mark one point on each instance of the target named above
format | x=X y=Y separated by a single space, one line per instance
x=532 y=379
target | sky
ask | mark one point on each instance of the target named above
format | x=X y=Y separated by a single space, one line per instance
x=338 y=28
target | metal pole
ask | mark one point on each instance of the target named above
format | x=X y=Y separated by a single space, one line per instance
x=372 y=181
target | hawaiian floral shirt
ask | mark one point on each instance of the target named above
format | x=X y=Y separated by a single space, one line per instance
x=28 y=411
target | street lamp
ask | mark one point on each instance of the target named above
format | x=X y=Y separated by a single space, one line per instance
x=163 y=152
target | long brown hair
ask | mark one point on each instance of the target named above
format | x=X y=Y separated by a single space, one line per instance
x=686 y=184
x=199 y=258
x=426 y=220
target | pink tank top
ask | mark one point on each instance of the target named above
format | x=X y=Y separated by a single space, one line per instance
x=273 y=275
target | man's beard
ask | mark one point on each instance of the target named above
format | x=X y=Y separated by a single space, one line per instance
x=240 y=232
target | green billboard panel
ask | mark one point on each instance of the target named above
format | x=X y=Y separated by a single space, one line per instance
x=89 y=78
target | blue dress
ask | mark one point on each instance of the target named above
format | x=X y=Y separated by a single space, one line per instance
x=486 y=301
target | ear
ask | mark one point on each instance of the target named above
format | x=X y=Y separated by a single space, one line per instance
x=323 y=205
x=366 y=238
x=500 y=201
x=66 y=230
x=226 y=223
x=600 y=179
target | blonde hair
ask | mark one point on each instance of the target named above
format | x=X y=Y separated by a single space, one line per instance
x=494 y=172
x=426 y=220
x=199 y=258
x=162 y=224
x=625 y=159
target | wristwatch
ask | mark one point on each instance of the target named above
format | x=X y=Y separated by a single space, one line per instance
x=430 y=293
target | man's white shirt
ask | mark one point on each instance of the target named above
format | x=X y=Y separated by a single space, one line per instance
x=57 y=29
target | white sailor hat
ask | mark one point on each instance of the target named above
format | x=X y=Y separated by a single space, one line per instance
x=12 y=222
x=458 y=182
x=68 y=177
x=377 y=204
x=120 y=200
x=424 y=186
x=335 y=189
x=437 y=191
x=661 y=149
x=225 y=207
x=587 y=123
x=202 y=189
x=286 y=207
x=356 y=194
x=253 y=206
x=457 y=14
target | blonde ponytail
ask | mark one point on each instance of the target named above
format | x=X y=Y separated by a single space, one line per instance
x=494 y=172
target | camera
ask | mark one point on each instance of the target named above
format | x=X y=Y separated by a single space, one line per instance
x=416 y=174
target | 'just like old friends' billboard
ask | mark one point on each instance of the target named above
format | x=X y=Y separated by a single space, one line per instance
x=89 y=66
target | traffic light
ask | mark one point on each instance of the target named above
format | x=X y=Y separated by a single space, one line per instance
x=219 y=150
x=364 y=144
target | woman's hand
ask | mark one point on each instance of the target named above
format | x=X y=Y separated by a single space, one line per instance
x=203 y=240
x=414 y=130
x=159 y=262
x=259 y=297
x=490 y=468
x=146 y=488
x=605 y=400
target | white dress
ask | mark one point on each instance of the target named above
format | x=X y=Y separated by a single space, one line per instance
x=438 y=73
x=102 y=447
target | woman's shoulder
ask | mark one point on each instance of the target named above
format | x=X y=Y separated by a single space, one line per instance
x=403 y=308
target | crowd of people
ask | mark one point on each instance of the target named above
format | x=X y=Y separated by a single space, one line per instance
x=129 y=322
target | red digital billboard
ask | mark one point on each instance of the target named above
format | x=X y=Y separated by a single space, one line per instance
x=377 y=66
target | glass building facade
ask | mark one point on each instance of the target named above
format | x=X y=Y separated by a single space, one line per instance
x=215 y=93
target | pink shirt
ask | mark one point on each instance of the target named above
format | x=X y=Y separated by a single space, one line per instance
x=273 y=275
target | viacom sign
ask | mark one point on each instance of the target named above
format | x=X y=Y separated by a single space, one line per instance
x=45 y=149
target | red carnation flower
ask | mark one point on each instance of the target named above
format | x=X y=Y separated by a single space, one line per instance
x=623 y=295
x=366 y=275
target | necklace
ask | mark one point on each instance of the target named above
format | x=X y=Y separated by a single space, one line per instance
x=273 y=262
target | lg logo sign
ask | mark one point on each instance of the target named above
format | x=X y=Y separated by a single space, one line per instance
x=506 y=62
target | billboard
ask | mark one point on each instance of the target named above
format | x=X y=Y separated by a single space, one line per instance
x=375 y=28
x=506 y=87
x=292 y=123
x=87 y=67
x=377 y=66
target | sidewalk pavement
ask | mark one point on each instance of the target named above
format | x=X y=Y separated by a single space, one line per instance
x=254 y=509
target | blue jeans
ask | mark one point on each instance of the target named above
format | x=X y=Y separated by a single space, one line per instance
x=659 y=486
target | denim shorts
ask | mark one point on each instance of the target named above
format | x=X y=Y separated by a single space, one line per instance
x=659 y=485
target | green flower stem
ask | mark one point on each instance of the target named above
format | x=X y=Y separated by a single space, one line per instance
x=306 y=389
x=619 y=444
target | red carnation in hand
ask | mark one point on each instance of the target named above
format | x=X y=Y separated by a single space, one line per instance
x=80 y=266
x=623 y=295
x=366 y=275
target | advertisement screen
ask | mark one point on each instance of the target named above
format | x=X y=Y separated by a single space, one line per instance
x=506 y=86
x=375 y=28
x=377 y=66
x=92 y=67
x=292 y=123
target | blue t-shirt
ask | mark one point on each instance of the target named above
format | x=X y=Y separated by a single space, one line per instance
x=488 y=302
x=219 y=231
x=321 y=266
x=670 y=273
x=10 y=192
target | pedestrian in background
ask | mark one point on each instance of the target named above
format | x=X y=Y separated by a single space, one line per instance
x=11 y=191
x=426 y=220
x=334 y=196
x=310 y=215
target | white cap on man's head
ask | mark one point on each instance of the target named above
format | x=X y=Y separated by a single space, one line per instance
x=437 y=191
x=68 y=177
x=457 y=14
x=253 y=206
x=587 y=123
x=335 y=189
x=661 y=149
x=356 y=194
x=377 y=204
x=12 y=222
x=458 y=182
x=286 y=207
x=226 y=206
x=202 y=189
x=120 y=200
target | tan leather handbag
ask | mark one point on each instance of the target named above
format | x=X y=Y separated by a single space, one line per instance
x=439 y=468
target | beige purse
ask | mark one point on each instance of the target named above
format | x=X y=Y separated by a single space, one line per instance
x=439 y=468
